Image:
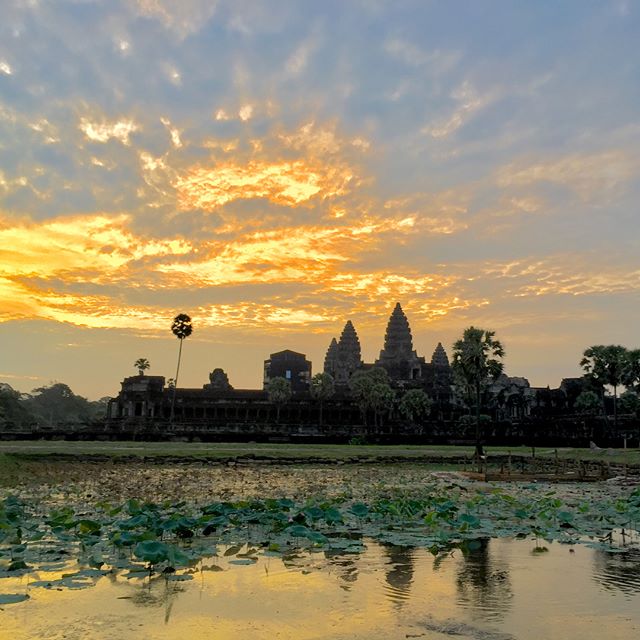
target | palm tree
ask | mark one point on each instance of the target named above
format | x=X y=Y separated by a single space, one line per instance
x=141 y=364
x=279 y=390
x=181 y=328
x=322 y=388
x=371 y=391
x=607 y=365
x=475 y=364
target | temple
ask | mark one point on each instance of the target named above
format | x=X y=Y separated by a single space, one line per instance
x=406 y=369
x=146 y=404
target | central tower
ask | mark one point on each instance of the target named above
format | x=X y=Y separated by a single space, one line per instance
x=398 y=357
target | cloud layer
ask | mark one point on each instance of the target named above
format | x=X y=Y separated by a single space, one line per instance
x=276 y=170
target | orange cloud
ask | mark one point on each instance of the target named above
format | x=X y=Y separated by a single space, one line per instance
x=286 y=183
x=76 y=246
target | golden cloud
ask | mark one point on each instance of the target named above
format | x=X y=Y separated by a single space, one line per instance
x=286 y=183
x=76 y=247
x=103 y=131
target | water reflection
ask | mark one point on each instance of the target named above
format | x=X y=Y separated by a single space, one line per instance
x=483 y=581
x=618 y=571
x=399 y=574
x=346 y=565
x=494 y=591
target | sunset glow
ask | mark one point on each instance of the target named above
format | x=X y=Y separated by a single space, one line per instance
x=276 y=169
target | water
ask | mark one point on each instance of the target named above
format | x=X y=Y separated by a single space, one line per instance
x=504 y=590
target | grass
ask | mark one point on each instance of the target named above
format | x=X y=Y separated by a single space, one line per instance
x=36 y=449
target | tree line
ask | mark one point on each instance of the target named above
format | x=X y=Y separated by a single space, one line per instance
x=48 y=406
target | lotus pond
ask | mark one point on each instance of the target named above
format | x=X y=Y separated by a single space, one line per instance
x=176 y=551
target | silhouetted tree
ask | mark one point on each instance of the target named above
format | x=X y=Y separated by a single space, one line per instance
x=279 y=391
x=631 y=374
x=606 y=365
x=57 y=404
x=587 y=402
x=322 y=388
x=415 y=404
x=371 y=391
x=141 y=364
x=475 y=364
x=13 y=411
x=629 y=402
x=181 y=328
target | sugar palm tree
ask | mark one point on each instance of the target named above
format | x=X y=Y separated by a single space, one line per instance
x=181 y=328
x=279 y=390
x=141 y=364
x=475 y=363
x=322 y=388
x=607 y=365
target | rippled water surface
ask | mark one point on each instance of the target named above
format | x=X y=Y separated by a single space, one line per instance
x=505 y=589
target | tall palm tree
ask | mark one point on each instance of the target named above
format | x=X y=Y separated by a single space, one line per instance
x=141 y=364
x=322 y=388
x=607 y=365
x=181 y=328
x=475 y=363
x=279 y=390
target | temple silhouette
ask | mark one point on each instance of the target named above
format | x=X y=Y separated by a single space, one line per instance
x=217 y=410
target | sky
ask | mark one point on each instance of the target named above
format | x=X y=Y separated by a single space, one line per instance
x=276 y=168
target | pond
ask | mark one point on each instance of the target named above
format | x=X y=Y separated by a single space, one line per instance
x=502 y=590
x=344 y=572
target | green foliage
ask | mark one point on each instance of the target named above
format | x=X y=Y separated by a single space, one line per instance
x=57 y=404
x=322 y=387
x=476 y=359
x=279 y=390
x=629 y=402
x=13 y=410
x=476 y=363
x=588 y=402
x=371 y=391
x=146 y=538
x=631 y=373
x=607 y=366
x=415 y=405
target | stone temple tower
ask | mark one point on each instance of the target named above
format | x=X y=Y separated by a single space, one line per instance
x=439 y=357
x=398 y=357
x=343 y=357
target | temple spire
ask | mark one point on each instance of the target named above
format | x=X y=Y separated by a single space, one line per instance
x=439 y=357
x=398 y=342
x=349 y=352
x=331 y=359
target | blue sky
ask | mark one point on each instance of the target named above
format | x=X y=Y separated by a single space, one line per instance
x=276 y=168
